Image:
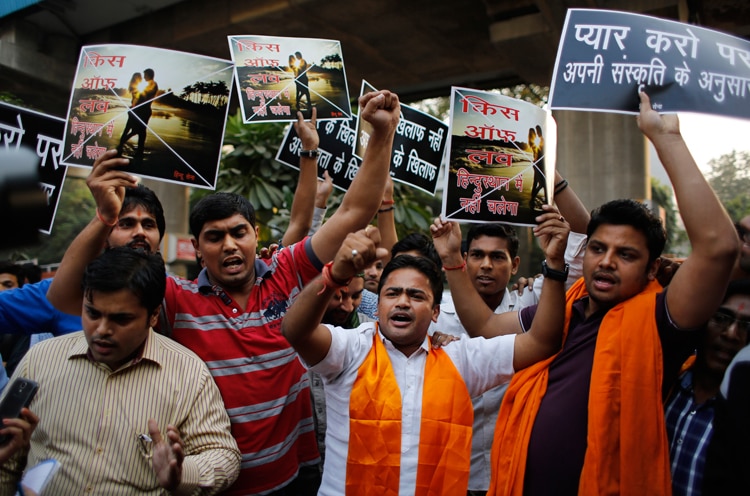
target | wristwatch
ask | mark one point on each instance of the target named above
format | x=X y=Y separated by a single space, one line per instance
x=555 y=275
x=309 y=153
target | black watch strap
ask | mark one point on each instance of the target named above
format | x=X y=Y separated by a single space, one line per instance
x=309 y=153
x=555 y=275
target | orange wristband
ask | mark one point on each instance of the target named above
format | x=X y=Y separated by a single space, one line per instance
x=461 y=267
x=104 y=221
x=329 y=281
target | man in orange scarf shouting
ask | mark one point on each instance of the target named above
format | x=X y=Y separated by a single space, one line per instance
x=399 y=412
x=590 y=419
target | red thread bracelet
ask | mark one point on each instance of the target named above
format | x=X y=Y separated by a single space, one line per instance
x=103 y=221
x=461 y=267
x=388 y=202
x=329 y=281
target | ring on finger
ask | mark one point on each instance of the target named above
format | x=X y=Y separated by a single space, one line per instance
x=354 y=253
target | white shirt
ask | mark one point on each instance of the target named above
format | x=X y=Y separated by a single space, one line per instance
x=483 y=364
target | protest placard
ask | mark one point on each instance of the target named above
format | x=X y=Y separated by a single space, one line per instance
x=496 y=155
x=164 y=110
x=418 y=146
x=606 y=57
x=43 y=134
x=336 y=151
x=278 y=76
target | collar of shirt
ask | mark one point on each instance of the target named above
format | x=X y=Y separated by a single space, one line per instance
x=425 y=346
x=205 y=286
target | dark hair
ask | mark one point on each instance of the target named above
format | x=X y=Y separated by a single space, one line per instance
x=634 y=214
x=145 y=197
x=494 y=230
x=120 y=268
x=32 y=272
x=149 y=73
x=8 y=267
x=423 y=265
x=738 y=287
x=219 y=206
x=419 y=242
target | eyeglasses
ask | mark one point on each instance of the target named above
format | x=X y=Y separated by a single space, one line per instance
x=743 y=233
x=723 y=319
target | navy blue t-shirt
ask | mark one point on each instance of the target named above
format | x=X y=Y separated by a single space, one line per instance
x=558 y=439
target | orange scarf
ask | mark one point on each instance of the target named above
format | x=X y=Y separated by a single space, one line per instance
x=627 y=450
x=374 y=459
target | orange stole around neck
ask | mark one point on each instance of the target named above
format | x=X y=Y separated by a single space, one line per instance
x=374 y=459
x=627 y=449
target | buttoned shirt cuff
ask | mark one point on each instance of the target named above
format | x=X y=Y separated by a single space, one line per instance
x=190 y=477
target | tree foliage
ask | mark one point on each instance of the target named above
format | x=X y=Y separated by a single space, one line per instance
x=729 y=176
x=663 y=196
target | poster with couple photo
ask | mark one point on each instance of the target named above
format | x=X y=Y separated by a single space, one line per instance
x=497 y=167
x=162 y=109
x=277 y=77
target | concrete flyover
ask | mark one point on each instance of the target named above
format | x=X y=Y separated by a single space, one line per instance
x=418 y=48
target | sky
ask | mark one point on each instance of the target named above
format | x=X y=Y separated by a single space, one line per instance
x=708 y=137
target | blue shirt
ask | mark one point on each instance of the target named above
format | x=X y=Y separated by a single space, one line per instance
x=26 y=310
x=369 y=304
x=689 y=429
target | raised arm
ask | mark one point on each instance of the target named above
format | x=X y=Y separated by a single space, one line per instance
x=362 y=201
x=301 y=325
x=475 y=315
x=387 y=221
x=325 y=187
x=300 y=216
x=108 y=187
x=697 y=289
x=571 y=207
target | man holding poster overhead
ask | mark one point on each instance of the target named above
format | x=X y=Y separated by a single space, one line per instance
x=626 y=338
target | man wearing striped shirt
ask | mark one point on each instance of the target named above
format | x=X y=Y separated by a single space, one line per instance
x=231 y=314
x=121 y=408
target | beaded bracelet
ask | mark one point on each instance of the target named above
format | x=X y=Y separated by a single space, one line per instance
x=384 y=210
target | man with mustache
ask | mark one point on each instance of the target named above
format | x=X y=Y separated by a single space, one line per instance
x=626 y=339
x=399 y=411
x=689 y=411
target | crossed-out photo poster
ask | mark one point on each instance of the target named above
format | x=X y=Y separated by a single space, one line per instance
x=162 y=109
x=497 y=170
x=278 y=76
